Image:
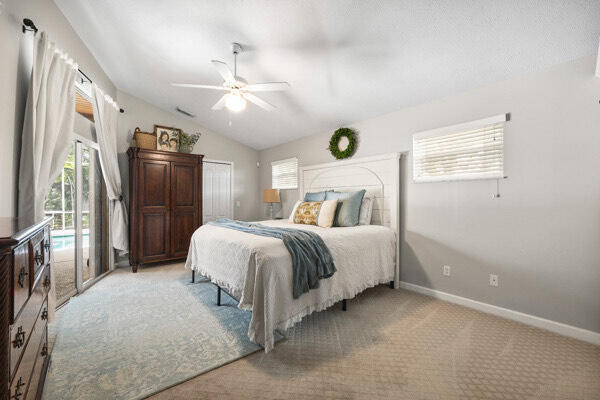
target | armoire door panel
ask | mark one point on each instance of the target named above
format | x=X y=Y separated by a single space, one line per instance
x=183 y=184
x=154 y=235
x=154 y=183
x=165 y=204
x=183 y=225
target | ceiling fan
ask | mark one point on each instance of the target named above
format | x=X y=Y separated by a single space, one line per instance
x=237 y=87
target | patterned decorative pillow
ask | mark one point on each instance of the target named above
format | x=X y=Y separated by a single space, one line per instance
x=307 y=212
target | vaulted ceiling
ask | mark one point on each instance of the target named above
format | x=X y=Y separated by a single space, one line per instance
x=346 y=60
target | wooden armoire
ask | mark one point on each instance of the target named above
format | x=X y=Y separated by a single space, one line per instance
x=165 y=204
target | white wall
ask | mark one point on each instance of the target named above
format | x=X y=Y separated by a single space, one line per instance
x=139 y=113
x=541 y=236
x=15 y=69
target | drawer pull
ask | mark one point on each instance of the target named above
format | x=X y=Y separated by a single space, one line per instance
x=47 y=282
x=47 y=246
x=22 y=275
x=44 y=351
x=18 y=392
x=19 y=337
x=45 y=314
x=39 y=259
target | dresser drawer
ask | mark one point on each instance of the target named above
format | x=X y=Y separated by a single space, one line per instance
x=21 y=330
x=38 y=253
x=20 y=278
x=22 y=377
x=36 y=376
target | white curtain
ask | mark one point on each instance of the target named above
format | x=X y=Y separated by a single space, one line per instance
x=47 y=133
x=106 y=113
x=47 y=128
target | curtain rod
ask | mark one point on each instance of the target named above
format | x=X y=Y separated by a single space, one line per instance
x=29 y=26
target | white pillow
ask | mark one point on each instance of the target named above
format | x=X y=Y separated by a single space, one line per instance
x=327 y=213
x=366 y=211
x=291 y=219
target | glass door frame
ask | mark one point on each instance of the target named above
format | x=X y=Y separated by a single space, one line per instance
x=77 y=220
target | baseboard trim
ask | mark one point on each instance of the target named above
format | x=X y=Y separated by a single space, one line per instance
x=542 y=323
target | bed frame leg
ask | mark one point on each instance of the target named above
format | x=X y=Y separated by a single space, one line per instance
x=344 y=306
x=193 y=276
x=218 y=295
x=392 y=286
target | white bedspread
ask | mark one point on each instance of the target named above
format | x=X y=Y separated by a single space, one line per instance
x=257 y=270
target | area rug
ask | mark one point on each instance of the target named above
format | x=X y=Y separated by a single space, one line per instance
x=132 y=335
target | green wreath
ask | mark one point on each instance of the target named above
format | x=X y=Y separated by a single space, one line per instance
x=335 y=140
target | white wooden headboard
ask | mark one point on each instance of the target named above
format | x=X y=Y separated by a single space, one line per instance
x=379 y=175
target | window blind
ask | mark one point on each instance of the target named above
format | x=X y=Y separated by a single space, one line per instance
x=284 y=174
x=473 y=150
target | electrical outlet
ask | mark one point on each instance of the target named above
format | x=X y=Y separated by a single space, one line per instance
x=493 y=280
x=446 y=270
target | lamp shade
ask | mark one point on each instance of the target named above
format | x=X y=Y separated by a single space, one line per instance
x=271 y=196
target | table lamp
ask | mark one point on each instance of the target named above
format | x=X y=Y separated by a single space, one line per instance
x=271 y=196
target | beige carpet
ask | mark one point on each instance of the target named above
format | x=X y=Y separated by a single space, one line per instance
x=402 y=345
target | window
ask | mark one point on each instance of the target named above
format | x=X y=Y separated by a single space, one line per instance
x=473 y=150
x=284 y=174
x=83 y=95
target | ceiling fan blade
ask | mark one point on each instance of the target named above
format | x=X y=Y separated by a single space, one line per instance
x=224 y=70
x=193 y=85
x=258 y=101
x=266 y=87
x=221 y=103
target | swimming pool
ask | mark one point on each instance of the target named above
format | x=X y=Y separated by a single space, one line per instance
x=63 y=242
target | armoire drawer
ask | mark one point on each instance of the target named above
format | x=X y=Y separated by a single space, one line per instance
x=20 y=278
x=38 y=253
x=36 y=308
x=20 y=381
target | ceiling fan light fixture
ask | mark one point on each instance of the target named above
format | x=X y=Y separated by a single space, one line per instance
x=235 y=102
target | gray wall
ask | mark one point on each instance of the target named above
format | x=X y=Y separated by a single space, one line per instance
x=139 y=113
x=15 y=69
x=541 y=236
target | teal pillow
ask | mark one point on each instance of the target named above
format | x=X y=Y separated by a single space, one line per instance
x=348 y=208
x=315 y=196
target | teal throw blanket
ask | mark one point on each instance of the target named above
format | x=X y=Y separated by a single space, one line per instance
x=311 y=259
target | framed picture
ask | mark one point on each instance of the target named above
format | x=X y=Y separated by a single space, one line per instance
x=167 y=139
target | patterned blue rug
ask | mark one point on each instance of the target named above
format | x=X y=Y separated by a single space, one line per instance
x=132 y=335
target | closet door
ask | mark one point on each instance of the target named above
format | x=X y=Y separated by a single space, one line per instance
x=154 y=216
x=217 y=199
x=184 y=206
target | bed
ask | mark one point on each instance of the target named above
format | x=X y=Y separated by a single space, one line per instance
x=257 y=270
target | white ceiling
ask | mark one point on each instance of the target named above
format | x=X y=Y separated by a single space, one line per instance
x=346 y=61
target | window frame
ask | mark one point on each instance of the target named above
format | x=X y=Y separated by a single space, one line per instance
x=280 y=162
x=453 y=129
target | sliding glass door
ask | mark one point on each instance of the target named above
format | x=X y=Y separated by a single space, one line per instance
x=78 y=202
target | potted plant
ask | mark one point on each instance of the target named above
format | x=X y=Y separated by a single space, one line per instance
x=187 y=142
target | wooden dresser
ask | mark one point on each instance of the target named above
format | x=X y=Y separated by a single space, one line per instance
x=165 y=204
x=25 y=264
